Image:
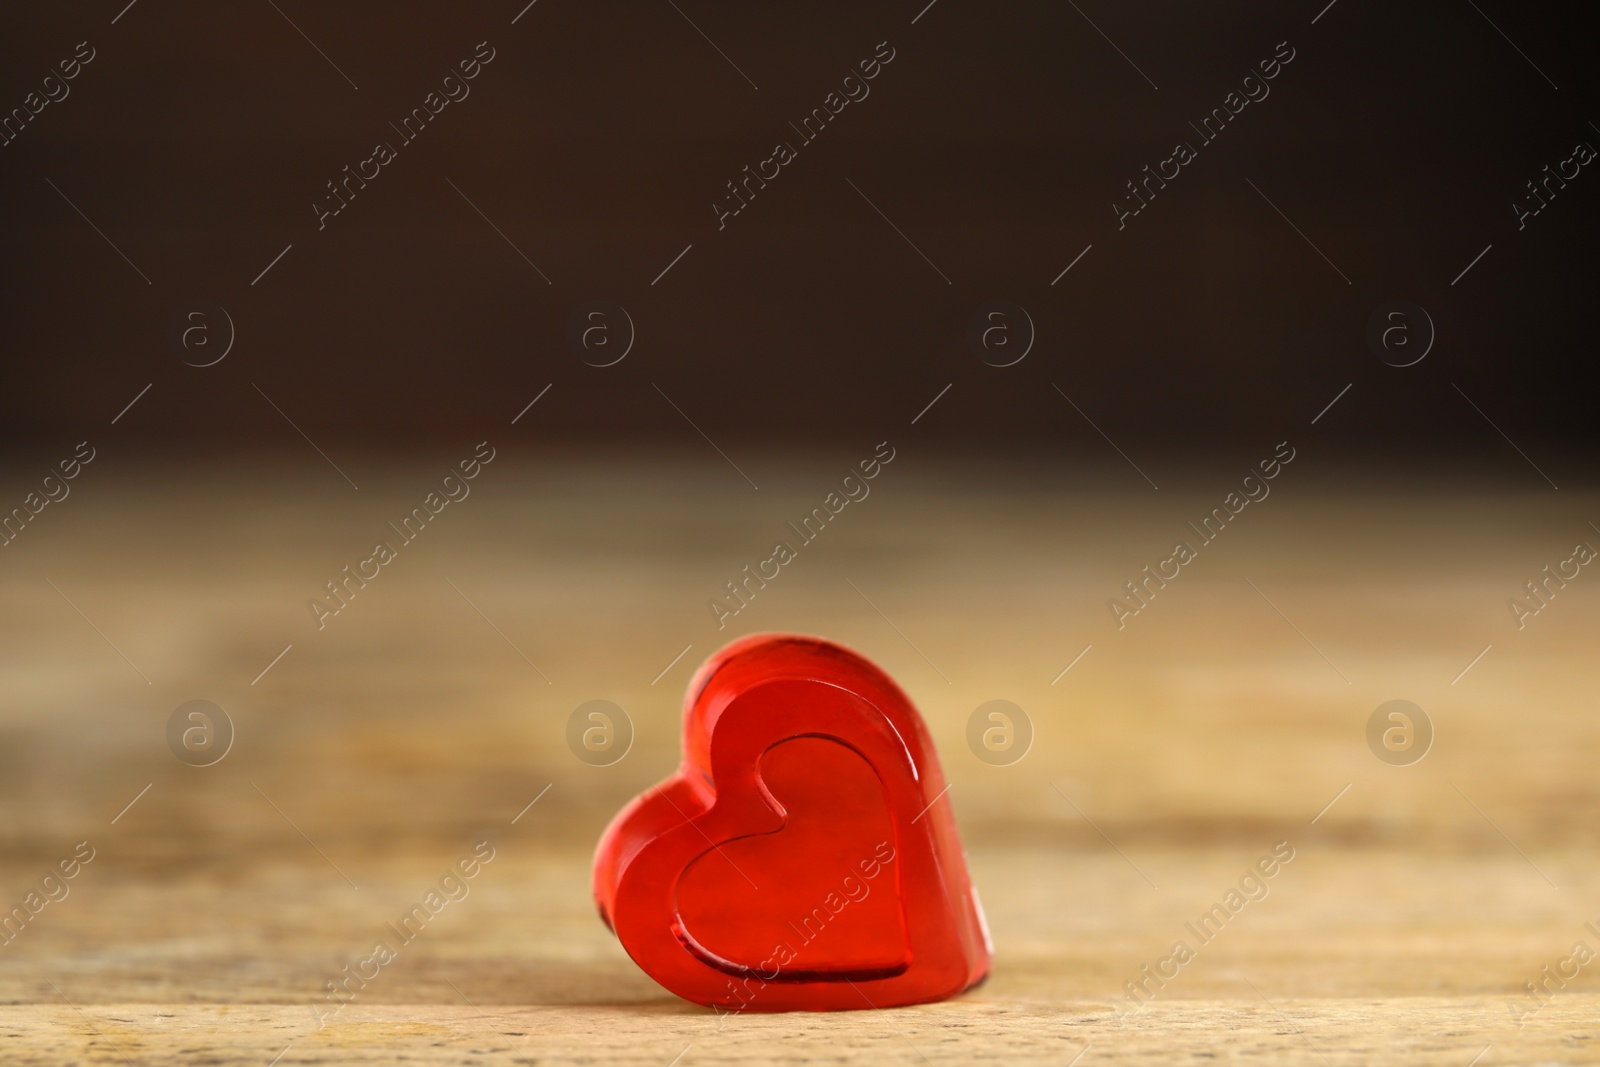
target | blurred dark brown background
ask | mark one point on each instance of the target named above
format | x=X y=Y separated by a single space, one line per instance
x=997 y=140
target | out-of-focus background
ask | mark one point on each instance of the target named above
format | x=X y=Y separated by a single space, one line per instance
x=213 y=405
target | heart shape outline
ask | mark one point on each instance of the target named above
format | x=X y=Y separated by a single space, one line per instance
x=754 y=694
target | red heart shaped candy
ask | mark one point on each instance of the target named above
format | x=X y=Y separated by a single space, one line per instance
x=805 y=855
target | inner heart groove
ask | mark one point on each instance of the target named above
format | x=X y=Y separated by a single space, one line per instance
x=819 y=898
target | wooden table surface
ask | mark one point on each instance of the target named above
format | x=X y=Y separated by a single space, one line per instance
x=430 y=711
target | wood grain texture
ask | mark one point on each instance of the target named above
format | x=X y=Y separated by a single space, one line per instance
x=431 y=711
